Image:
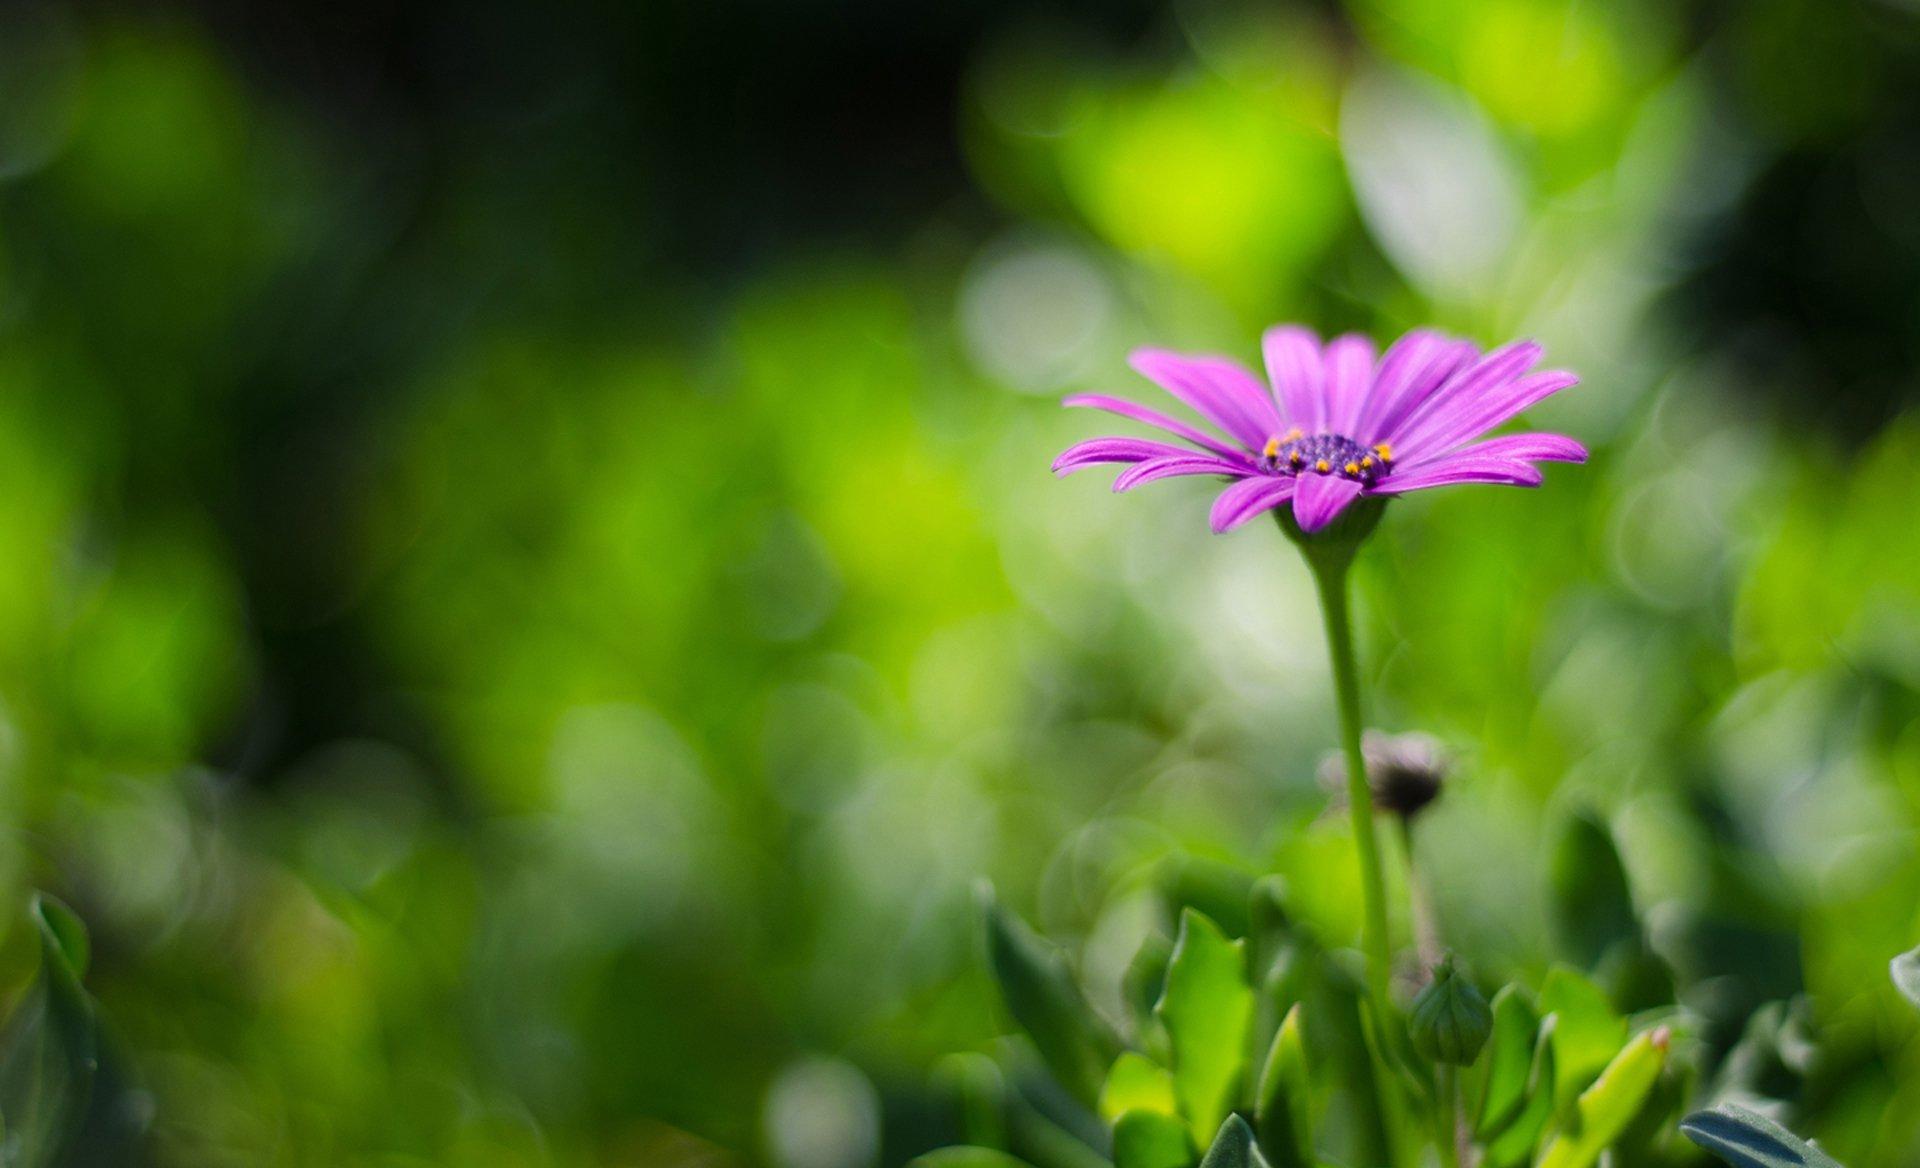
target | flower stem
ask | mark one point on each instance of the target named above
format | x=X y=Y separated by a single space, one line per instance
x=1330 y=576
x=1447 y=1115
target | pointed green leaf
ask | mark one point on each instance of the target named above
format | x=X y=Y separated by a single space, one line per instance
x=47 y=1068
x=966 y=1158
x=1906 y=975
x=1592 y=902
x=1746 y=1139
x=1147 y=1139
x=1206 y=1009
x=1514 y=1146
x=1606 y=1108
x=1137 y=1083
x=1283 y=1112
x=1509 y=1059
x=1234 y=1147
x=1586 y=1033
x=1043 y=997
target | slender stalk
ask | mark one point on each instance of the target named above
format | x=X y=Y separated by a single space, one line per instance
x=1426 y=928
x=1330 y=576
x=1446 y=1115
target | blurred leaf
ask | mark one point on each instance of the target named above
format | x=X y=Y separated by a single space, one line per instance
x=1148 y=1139
x=49 y=1059
x=1206 y=1009
x=1142 y=985
x=1514 y=1146
x=966 y=1158
x=1586 y=1033
x=979 y=1089
x=1043 y=997
x=1509 y=1060
x=1221 y=892
x=1592 y=902
x=1136 y=1083
x=1283 y=1112
x=1746 y=1139
x=1269 y=924
x=1906 y=975
x=1605 y=1109
x=1234 y=1147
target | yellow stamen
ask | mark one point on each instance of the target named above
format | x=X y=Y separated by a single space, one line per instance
x=1295 y=459
x=1294 y=432
x=1323 y=466
x=1384 y=451
x=1272 y=448
x=1367 y=462
x=1352 y=468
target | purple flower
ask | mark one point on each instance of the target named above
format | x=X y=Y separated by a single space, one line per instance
x=1337 y=425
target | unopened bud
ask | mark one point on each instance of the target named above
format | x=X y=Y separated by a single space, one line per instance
x=1450 y=1021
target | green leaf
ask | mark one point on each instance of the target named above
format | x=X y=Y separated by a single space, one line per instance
x=1591 y=900
x=1606 y=1108
x=1746 y=1139
x=1514 y=1146
x=979 y=1089
x=46 y=1071
x=1234 y=1147
x=1283 y=1113
x=1147 y=1139
x=1142 y=984
x=1043 y=997
x=1906 y=975
x=1137 y=1083
x=1586 y=1033
x=66 y=934
x=1220 y=892
x=966 y=1158
x=1270 y=925
x=1509 y=1059
x=1206 y=1009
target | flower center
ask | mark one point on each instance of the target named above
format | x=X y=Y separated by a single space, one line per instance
x=1327 y=454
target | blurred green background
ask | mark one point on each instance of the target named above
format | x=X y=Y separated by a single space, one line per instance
x=532 y=587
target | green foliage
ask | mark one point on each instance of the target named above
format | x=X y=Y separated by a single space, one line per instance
x=1746 y=1139
x=48 y=1047
x=1206 y=1010
x=1603 y=1111
x=1043 y=997
x=1151 y=1139
x=1283 y=1105
x=1510 y=1057
x=1234 y=1147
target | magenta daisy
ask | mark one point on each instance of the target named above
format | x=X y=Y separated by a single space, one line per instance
x=1337 y=425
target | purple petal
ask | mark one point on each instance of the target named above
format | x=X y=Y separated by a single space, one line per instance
x=1319 y=498
x=1166 y=468
x=1522 y=448
x=1461 y=392
x=1223 y=392
x=1293 y=365
x=1151 y=417
x=1415 y=366
x=1349 y=365
x=1471 y=418
x=1457 y=469
x=1247 y=498
x=1098 y=450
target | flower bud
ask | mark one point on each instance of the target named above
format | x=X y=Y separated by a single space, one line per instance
x=1450 y=1020
x=1405 y=772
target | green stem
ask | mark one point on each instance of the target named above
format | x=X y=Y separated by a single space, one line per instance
x=1330 y=576
x=1446 y=1115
